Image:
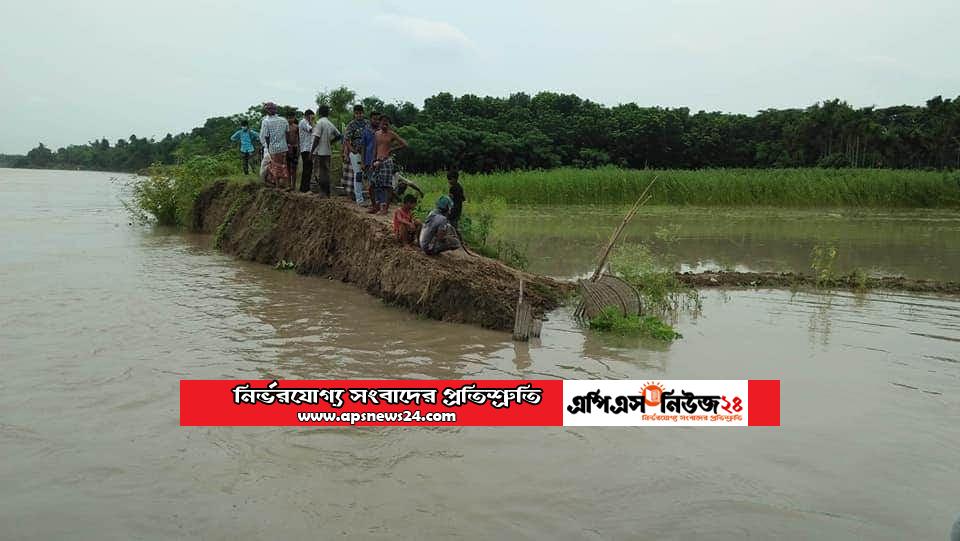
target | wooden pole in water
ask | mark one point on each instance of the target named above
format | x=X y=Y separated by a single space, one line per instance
x=522 y=318
x=617 y=232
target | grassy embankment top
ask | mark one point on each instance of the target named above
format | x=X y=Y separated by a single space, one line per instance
x=166 y=193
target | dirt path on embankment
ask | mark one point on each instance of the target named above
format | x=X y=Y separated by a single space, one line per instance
x=333 y=237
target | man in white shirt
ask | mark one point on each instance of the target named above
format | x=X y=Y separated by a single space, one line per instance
x=273 y=136
x=306 y=143
x=324 y=135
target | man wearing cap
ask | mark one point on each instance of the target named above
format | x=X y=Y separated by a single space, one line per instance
x=273 y=135
x=437 y=235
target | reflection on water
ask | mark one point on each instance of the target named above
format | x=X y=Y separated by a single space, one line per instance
x=100 y=320
x=564 y=241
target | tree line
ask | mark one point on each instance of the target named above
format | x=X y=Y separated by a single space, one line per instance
x=547 y=130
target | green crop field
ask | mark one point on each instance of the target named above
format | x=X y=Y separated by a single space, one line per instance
x=877 y=188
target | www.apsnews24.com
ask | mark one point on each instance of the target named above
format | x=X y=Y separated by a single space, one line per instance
x=354 y=417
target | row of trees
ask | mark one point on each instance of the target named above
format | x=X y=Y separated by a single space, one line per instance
x=551 y=130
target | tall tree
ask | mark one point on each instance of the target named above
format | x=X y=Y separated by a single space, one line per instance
x=339 y=100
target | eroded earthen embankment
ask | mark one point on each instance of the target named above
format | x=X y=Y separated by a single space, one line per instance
x=333 y=237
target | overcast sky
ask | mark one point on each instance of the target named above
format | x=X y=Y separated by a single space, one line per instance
x=73 y=71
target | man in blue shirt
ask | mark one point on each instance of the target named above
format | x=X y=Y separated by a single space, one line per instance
x=246 y=136
x=353 y=150
x=369 y=141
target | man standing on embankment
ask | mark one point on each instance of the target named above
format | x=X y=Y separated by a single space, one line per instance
x=293 y=148
x=387 y=142
x=369 y=142
x=324 y=135
x=246 y=137
x=273 y=135
x=457 y=195
x=353 y=147
x=306 y=143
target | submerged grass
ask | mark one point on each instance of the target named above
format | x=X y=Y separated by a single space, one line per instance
x=811 y=187
x=611 y=320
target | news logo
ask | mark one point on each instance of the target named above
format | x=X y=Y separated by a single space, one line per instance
x=671 y=403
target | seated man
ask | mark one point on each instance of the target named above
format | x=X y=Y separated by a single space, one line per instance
x=401 y=187
x=437 y=234
x=405 y=226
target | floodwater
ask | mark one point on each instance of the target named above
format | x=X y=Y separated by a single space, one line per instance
x=922 y=244
x=99 y=320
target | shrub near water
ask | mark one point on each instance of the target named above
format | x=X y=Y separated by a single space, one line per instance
x=812 y=187
x=167 y=192
x=658 y=286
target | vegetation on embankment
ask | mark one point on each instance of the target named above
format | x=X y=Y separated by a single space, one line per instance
x=166 y=193
x=813 y=187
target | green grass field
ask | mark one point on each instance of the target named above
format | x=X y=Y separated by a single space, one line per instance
x=791 y=188
x=876 y=188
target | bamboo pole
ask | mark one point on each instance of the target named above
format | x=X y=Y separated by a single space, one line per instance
x=522 y=318
x=619 y=230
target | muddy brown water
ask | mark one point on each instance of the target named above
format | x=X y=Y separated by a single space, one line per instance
x=99 y=320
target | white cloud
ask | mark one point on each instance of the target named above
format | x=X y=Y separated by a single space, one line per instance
x=426 y=32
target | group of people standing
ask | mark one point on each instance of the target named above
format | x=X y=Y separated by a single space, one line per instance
x=367 y=153
x=369 y=171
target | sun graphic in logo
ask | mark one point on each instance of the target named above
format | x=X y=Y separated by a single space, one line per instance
x=651 y=393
